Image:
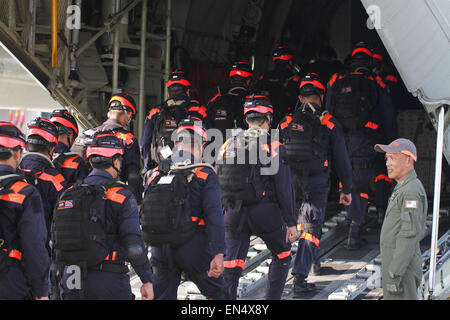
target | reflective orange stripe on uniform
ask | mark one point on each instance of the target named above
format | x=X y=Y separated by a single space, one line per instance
x=238 y=263
x=380 y=82
x=154 y=174
x=326 y=121
x=371 y=125
x=391 y=78
x=275 y=145
x=13 y=197
x=16 y=254
x=364 y=195
x=332 y=80
x=215 y=97
x=113 y=195
x=127 y=137
x=286 y=123
x=200 y=110
x=200 y=223
x=309 y=237
x=55 y=180
x=70 y=163
x=152 y=113
x=18 y=186
x=383 y=177
x=113 y=258
x=284 y=254
x=200 y=174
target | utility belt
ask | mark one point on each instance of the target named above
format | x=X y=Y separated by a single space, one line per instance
x=111 y=267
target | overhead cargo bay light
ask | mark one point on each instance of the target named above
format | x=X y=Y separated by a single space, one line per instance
x=416 y=33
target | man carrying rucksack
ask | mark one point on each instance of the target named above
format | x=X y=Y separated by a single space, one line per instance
x=37 y=165
x=362 y=105
x=71 y=165
x=24 y=259
x=121 y=112
x=182 y=218
x=163 y=119
x=314 y=142
x=96 y=230
x=257 y=197
x=225 y=108
x=281 y=83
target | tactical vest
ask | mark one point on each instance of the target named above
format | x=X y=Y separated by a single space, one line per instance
x=305 y=144
x=166 y=123
x=10 y=205
x=82 y=233
x=229 y=112
x=352 y=103
x=166 y=217
x=239 y=171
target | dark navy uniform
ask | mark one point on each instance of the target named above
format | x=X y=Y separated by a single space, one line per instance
x=70 y=164
x=121 y=209
x=311 y=191
x=179 y=107
x=380 y=125
x=24 y=233
x=194 y=256
x=281 y=83
x=50 y=182
x=131 y=159
x=226 y=111
x=267 y=219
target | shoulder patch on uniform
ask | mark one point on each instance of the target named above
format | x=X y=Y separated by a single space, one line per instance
x=411 y=204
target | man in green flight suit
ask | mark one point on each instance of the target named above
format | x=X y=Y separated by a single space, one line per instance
x=404 y=223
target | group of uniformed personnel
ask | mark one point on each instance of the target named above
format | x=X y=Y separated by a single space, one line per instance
x=304 y=128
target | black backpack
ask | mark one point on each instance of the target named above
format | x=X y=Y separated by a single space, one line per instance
x=5 y=213
x=351 y=104
x=166 y=123
x=81 y=232
x=166 y=213
x=241 y=183
x=304 y=144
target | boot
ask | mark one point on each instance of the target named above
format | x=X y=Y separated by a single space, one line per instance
x=354 y=240
x=315 y=268
x=301 y=287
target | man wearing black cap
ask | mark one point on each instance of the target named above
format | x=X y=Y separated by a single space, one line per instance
x=163 y=120
x=71 y=165
x=24 y=260
x=122 y=111
x=226 y=109
x=404 y=223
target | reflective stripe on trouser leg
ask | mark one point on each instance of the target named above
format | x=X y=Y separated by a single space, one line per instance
x=310 y=229
x=358 y=208
x=234 y=264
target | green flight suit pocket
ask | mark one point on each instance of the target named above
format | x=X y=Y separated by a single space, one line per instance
x=407 y=229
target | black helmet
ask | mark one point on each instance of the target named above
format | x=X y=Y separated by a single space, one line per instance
x=64 y=120
x=178 y=78
x=10 y=137
x=362 y=54
x=191 y=128
x=256 y=105
x=282 y=53
x=42 y=131
x=123 y=101
x=311 y=84
x=241 y=69
x=104 y=145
